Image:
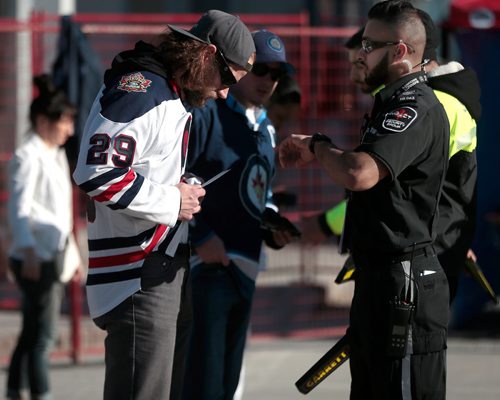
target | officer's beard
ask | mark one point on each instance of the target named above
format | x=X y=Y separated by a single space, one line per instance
x=379 y=75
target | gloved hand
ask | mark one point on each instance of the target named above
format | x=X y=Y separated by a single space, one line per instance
x=273 y=221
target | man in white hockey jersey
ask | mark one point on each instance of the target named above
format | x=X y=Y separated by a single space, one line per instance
x=131 y=162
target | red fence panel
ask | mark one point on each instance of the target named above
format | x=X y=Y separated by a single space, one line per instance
x=302 y=276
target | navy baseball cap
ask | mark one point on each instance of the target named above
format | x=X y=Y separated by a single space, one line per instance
x=270 y=48
x=227 y=32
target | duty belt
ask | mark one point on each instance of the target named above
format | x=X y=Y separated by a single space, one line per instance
x=361 y=258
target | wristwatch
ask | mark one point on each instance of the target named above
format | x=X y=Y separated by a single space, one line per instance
x=318 y=137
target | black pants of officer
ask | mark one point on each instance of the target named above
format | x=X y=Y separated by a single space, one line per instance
x=421 y=373
x=453 y=262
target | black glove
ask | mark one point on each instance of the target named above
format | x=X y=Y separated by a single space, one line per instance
x=273 y=221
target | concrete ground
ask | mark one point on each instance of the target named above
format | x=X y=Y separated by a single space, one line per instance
x=272 y=367
x=273 y=364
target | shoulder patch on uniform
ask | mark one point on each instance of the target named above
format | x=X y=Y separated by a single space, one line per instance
x=400 y=119
x=408 y=96
x=135 y=82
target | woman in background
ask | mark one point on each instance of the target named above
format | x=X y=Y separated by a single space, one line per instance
x=41 y=221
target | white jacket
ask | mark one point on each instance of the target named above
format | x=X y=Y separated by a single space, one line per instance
x=40 y=202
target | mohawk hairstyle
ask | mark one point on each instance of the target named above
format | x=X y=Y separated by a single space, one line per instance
x=393 y=11
x=431 y=34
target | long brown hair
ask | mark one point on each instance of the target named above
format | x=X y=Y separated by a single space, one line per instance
x=188 y=57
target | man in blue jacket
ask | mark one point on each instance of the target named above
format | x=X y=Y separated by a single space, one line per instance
x=227 y=235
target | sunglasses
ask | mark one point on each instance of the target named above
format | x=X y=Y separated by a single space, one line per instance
x=369 y=45
x=226 y=76
x=261 y=69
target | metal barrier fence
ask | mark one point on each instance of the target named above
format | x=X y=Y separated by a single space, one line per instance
x=330 y=104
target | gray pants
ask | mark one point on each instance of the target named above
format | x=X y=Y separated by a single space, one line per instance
x=141 y=334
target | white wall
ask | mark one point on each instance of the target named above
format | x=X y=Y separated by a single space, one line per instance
x=23 y=9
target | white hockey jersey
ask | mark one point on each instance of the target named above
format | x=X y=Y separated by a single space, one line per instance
x=132 y=154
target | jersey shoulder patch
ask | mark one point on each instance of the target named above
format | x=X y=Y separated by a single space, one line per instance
x=134 y=82
x=399 y=119
x=132 y=95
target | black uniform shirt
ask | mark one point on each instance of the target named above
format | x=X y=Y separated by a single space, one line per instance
x=408 y=132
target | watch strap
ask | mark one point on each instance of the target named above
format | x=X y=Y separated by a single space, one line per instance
x=318 y=137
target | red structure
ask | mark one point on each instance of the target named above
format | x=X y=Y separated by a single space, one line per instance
x=330 y=104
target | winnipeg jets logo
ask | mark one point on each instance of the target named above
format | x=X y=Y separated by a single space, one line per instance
x=254 y=184
x=258 y=185
x=135 y=82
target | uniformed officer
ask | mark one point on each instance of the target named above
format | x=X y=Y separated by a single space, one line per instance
x=399 y=314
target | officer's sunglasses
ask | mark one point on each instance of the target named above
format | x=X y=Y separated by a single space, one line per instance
x=226 y=75
x=369 y=45
x=262 y=69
